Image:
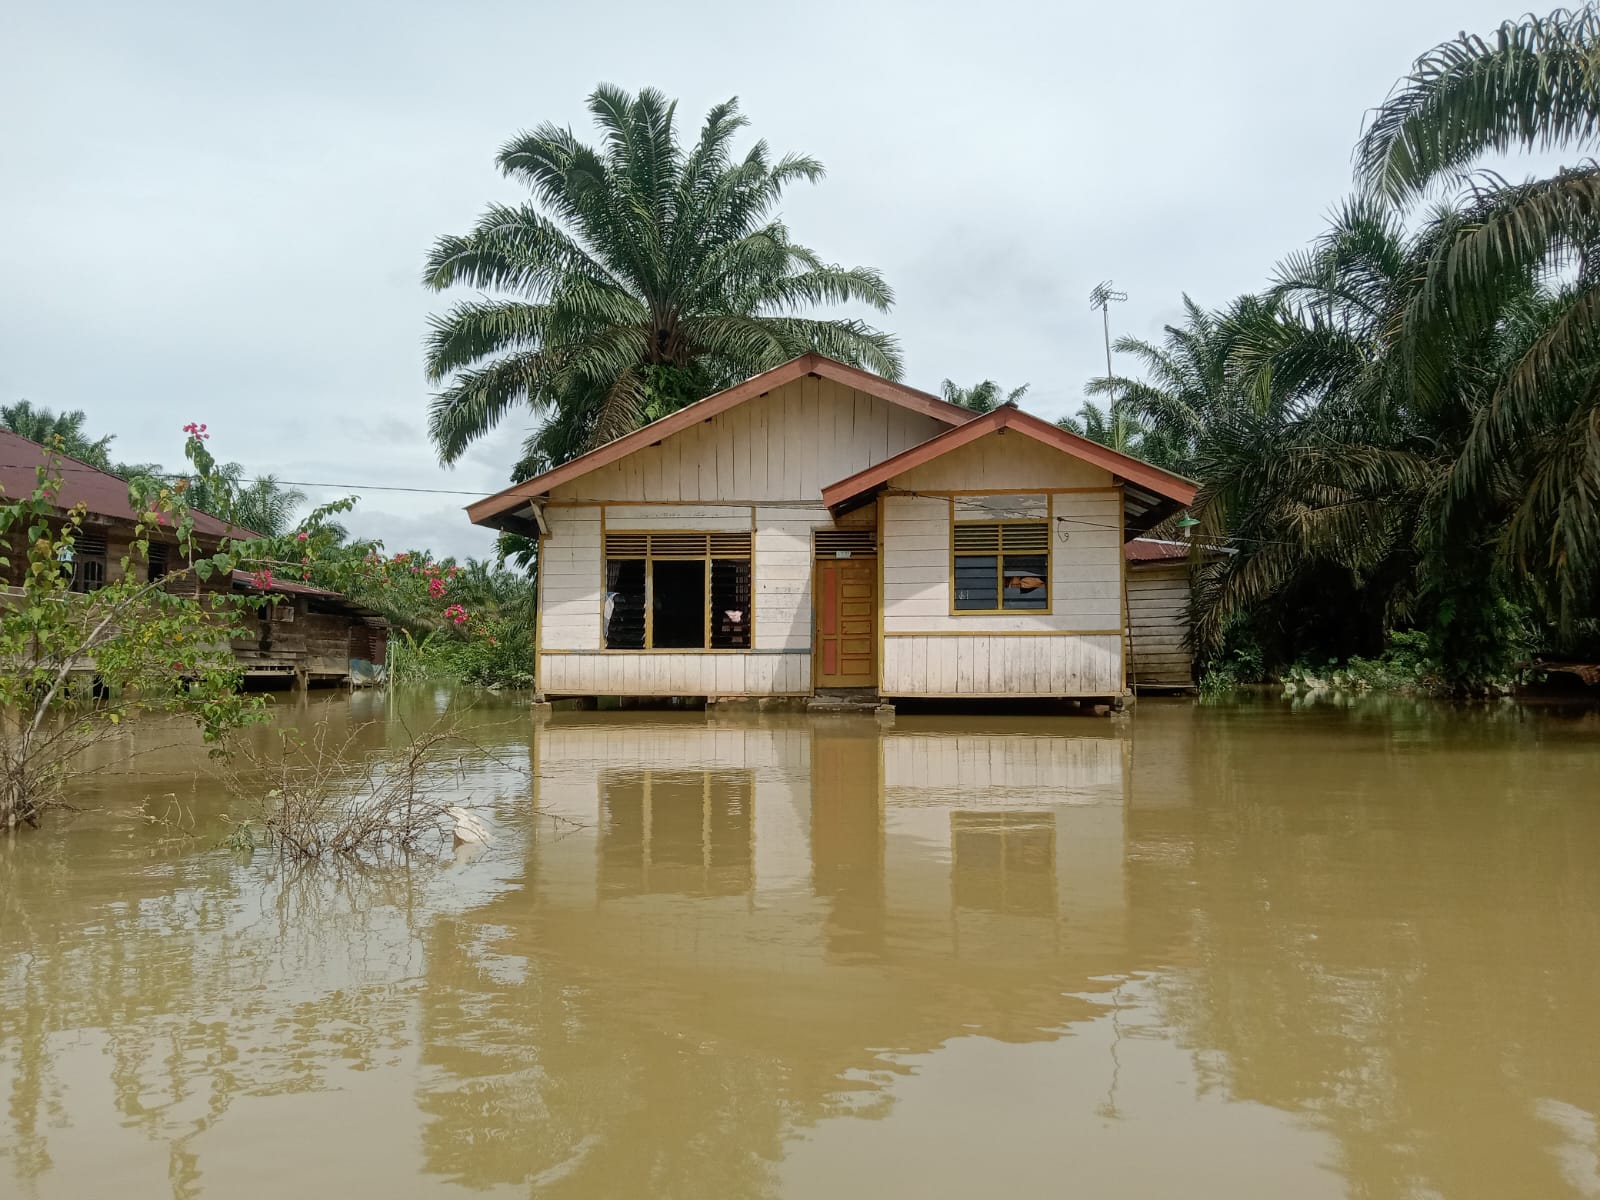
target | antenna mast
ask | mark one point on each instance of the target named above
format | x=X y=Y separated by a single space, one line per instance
x=1103 y=296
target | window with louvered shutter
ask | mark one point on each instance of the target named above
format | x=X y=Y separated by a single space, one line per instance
x=1001 y=566
x=678 y=591
x=88 y=563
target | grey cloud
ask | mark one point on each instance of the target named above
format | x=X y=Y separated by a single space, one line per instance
x=221 y=212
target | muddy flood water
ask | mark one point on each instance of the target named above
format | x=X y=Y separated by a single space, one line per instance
x=1223 y=952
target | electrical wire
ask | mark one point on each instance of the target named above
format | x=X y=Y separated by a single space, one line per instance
x=1010 y=514
x=367 y=487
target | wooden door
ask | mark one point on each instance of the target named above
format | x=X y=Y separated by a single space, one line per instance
x=847 y=617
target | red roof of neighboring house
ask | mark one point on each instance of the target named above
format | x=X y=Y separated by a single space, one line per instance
x=101 y=492
x=487 y=510
x=286 y=587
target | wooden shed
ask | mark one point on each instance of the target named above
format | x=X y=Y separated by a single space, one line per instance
x=819 y=528
x=309 y=636
x=1159 y=657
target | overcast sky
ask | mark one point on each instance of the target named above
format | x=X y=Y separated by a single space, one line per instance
x=217 y=212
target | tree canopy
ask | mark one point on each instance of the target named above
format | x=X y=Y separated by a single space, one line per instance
x=641 y=276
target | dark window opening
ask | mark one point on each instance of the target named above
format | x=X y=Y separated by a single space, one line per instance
x=156 y=562
x=1025 y=577
x=625 y=604
x=89 y=563
x=677 y=591
x=730 y=604
x=678 y=604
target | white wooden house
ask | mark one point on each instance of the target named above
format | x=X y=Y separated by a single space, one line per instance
x=819 y=527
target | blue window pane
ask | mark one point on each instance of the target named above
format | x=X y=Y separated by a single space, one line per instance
x=977 y=582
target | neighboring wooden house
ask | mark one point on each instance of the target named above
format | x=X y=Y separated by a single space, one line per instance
x=108 y=525
x=1159 y=657
x=818 y=527
x=307 y=635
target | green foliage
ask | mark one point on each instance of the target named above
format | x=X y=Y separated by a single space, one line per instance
x=66 y=431
x=642 y=276
x=981 y=397
x=471 y=622
x=78 y=664
x=262 y=505
x=498 y=655
x=1402 y=432
x=1239 y=661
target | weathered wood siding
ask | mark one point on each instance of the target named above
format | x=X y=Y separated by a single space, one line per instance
x=1158 y=611
x=784 y=446
x=998 y=666
x=318 y=643
x=655 y=673
x=1075 y=649
x=759 y=467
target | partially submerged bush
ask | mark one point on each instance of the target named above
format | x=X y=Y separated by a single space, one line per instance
x=323 y=797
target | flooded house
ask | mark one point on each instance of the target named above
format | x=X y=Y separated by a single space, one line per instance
x=306 y=635
x=818 y=529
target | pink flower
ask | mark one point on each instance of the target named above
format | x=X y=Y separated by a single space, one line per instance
x=301 y=536
x=436 y=588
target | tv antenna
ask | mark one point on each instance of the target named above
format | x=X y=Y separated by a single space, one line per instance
x=1103 y=296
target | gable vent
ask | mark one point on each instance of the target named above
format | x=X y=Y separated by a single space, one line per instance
x=854 y=543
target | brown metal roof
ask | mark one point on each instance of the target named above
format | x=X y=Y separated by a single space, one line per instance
x=486 y=511
x=101 y=492
x=1143 y=550
x=286 y=587
x=1174 y=489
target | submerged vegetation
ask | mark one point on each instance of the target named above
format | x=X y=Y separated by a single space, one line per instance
x=1398 y=439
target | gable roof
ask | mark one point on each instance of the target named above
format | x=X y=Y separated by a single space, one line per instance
x=1154 y=490
x=489 y=510
x=101 y=492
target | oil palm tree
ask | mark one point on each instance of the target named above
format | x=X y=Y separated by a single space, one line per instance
x=263 y=505
x=640 y=277
x=41 y=425
x=1533 y=84
x=981 y=397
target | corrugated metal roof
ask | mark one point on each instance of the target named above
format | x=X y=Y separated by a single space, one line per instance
x=285 y=587
x=101 y=492
x=1153 y=550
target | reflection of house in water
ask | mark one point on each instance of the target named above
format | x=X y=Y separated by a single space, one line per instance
x=763 y=915
x=917 y=829
x=676 y=831
x=1004 y=862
